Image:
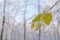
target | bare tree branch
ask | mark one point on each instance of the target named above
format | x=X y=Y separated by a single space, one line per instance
x=25 y=20
x=3 y=20
x=39 y=12
x=54 y=5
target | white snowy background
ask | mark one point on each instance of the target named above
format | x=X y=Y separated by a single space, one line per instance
x=14 y=20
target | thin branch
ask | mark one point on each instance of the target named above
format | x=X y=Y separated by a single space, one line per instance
x=25 y=20
x=54 y=5
x=3 y=20
x=39 y=12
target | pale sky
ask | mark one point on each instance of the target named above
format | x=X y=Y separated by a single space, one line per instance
x=31 y=10
x=17 y=7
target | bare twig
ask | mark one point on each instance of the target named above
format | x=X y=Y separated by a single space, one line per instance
x=3 y=20
x=39 y=12
x=54 y=5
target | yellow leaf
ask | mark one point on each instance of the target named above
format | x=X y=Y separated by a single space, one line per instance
x=38 y=27
x=47 y=18
x=32 y=25
x=38 y=18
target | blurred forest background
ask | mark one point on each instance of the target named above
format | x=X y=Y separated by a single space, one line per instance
x=16 y=17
